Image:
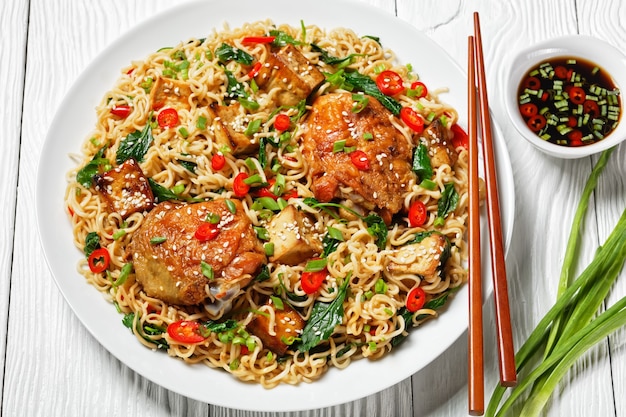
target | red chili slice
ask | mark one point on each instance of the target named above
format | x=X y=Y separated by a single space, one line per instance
x=528 y=109
x=575 y=138
x=417 y=214
x=536 y=123
x=577 y=95
x=412 y=119
x=218 y=161
x=591 y=107
x=121 y=111
x=240 y=188
x=167 y=118
x=532 y=83
x=184 y=331
x=415 y=299
x=207 y=231
x=312 y=281
x=282 y=122
x=255 y=70
x=389 y=83
x=571 y=121
x=560 y=71
x=99 y=260
x=252 y=40
x=460 y=138
x=420 y=89
x=359 y=159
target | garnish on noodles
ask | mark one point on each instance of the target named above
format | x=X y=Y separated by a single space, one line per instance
x=272 y=200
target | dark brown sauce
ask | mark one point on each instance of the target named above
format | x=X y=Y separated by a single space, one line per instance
x=569 y=101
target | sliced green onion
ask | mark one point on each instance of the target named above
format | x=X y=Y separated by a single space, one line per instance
x=335 y=233
x=231 y=206
x=316 y=265
x=119 y=233
x=157 y=240
x=213 y=218
x=253 y=180
x=278 y=302
x=261 y=232
x=124 y=273
x=428 y=184
x=201 y=123
x=253 y=127
x=207 y=270
x=380 y=287
x=339 y=145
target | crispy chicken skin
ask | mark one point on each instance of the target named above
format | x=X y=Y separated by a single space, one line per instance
x=171 y=270
x=389 y=154
x=439 y=143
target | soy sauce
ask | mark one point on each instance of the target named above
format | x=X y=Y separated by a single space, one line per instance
x=569 y=101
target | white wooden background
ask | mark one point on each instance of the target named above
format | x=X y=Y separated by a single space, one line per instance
x=53 y=367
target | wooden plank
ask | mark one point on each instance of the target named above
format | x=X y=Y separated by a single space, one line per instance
x=13 y=21
x=49 y=352
x=535 y=257
x=604 y=20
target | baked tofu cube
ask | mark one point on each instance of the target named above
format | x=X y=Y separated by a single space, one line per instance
x=125 y=189
x=291 y=232
x=423 y=258
x=230 y=123
x=288 y=325
x=291 y=74
x=167 y=92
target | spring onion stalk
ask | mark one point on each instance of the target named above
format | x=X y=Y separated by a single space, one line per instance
x=572 y=242
x=573 y=313
x=606 y=323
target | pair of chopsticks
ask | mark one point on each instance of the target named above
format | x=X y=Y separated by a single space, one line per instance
x=504 y=335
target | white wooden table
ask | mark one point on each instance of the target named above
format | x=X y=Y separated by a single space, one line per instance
x=53 y=367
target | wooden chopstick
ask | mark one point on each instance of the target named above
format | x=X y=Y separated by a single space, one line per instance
x=504 y=334
x=476 y=381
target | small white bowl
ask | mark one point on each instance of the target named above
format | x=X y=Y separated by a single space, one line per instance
x=592 y=49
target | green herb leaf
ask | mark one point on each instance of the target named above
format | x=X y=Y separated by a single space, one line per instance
x=85 y=175
x=263 y=275
x=218 y=327
x=161 y=193
x=421 y=162
x=367 y=85
x=377 y=228
x=448 y=201
x=92 y=242
x=324 y=318
x=332 y=60
x=189 y=166
x=135 y=145
x=235 y=89
x=225 y=53
x=283 y=38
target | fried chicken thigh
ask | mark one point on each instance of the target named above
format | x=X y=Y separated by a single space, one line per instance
x=168 y=256
x=333 y=174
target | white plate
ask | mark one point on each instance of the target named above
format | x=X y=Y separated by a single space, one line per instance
x=71 y=126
